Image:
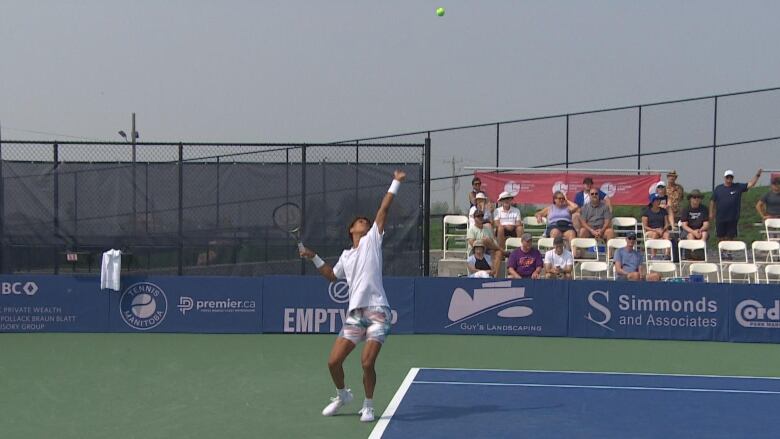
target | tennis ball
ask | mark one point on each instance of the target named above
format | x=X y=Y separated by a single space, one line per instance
x=440 y=12
x=143 y=306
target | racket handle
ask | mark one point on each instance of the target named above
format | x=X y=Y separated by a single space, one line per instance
x=300 y=246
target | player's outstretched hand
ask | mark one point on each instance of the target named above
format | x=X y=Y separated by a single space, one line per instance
x=306 y=253
x=399 y=175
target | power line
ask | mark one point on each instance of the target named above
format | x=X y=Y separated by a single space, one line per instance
x=47 y=133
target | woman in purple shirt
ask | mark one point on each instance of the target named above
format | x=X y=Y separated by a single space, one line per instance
x=559 y=220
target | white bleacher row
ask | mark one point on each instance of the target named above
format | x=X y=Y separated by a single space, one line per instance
x=734 y=263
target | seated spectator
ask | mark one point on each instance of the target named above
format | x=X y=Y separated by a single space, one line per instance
x=695 y=218
x=476 y=187
x=483 y=205
x=661 y=194
x=559 y=217
x=583 y=197
x=525 y=262
x=558 y=262
x=769 y=204
x=628 y=262
x=478 y=262
x=596 y=219
x=481 y=232
x=655 y=220
x=507 y=219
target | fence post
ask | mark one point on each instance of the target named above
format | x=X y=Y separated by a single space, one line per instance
x=639 y=139
x=427 y=208
x=714 y=140
x=498 y=149
x=56 y=205
x=303 y=200
x=180 y=270
x=2 y=207
x=567 y=141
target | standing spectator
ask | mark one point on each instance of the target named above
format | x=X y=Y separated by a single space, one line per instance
x=525 y=262
x=725 y=205
x=481 y=232
x=507 y=219
x=628 y=262
x=478 y=263
x=558 y=262
x=769 y=204
x=675 y=192
x=476 y=187
x=559 y=217
x=655 y=220
x=483 y=205
x=596 y=218
x=695 y=218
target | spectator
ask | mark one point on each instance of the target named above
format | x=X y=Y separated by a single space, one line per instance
x=596 y=218
x=655 y=220
x=476 y=187
x=769 y=205
x=725 y=205
x=482 y=232
x=507 y=219
x=483 y=205
x=478 y=262
x=583 y=197
x=675 y=192
x=559 y=217
x=695 y=218
x=661 y=194
x=558 y=262
x=525 y=262
x=628 y=262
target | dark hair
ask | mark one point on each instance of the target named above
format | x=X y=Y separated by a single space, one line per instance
x=587 y=180
x=476 y=180
x=352 y=223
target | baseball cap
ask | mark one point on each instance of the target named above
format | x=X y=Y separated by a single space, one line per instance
x=481 y=196
x=695 y=194
x=526 y=237
x=478 y=244
x=558 y=240
x=505 y=195
x=653 y=197
x=631 y=235
x=660 y=184
x=728 y=173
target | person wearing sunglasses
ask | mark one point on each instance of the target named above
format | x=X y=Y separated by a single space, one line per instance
x=595 y=218
x=725 y=205
x=559 y=217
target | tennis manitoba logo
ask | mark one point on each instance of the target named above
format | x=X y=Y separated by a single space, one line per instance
x=143 y=305
x=499 y=297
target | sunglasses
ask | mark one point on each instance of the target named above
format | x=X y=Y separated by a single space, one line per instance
x=593 y=194
x=559 y=198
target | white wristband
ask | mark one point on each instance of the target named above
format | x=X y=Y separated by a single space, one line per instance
x=394 y=187
x=318 y=262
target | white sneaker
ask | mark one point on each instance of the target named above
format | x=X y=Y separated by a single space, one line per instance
x=337 y=403
x=366 y=414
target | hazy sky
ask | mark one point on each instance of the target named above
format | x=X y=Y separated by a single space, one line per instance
x=247 y=71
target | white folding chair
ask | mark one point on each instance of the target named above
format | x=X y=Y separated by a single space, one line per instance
x=623 y=225
x=731 y=252
x=744 y=270
x=662 y=248
x=584 y=250
x=705 y=269
x=612 y=246
x=545 y=244
x=454 y=228
x=665 y=269
x=772 y=229
x=597 y=270
x=765 y=252
x=685 y=249
x=534 y=227
x=772 y=273
x=512 y=243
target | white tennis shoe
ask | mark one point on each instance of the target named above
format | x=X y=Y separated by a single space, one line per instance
x=366 y=414
x=337 y=403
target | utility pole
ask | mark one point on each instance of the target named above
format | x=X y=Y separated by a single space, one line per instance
x=454 y=181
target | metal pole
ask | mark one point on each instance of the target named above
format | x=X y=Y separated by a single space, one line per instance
x=217 y=192
x=543 y=170
x=56 y=206
x=2 y=205
x=427 y=208
x=303 y=200
x=567 y=141
x=498 y=149
x=453 y=184
x=133 y=136
x=180 y=270
x=639 y=140
x=714 y=141
x=357 y=172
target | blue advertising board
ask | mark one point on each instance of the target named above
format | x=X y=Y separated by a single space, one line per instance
x=310 y=304
x=652 y=310
x=52 y=304
x=187 y=304
x=755 y=313
x=499 y=307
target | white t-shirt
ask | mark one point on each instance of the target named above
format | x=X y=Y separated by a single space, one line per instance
x=561 y=261
x=509 y=217
x=362 y=268
x=487 y=215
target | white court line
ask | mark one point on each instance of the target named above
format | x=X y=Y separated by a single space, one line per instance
x=603 y=373
x=575 y=386
x=384 y=420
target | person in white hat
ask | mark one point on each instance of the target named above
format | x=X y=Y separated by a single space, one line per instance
x=725 y=204
x=483 y=205
x=507 y=219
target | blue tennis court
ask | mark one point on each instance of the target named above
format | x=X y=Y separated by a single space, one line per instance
x=467 y=403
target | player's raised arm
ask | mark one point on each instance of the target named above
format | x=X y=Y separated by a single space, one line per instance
x=381 y=214
x=325 y=270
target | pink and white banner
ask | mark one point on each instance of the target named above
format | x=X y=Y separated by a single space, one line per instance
x=533 y=188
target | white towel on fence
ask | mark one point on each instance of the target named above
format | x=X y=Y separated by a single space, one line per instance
x=110 y=268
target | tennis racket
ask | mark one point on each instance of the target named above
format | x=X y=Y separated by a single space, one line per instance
x=287 y=217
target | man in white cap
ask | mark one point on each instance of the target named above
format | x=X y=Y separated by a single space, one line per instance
x=725 y=204
x=507 y=219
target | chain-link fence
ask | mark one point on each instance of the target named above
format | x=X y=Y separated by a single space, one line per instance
x=200 y=209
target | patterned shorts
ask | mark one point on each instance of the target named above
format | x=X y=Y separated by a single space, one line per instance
x=370 y=323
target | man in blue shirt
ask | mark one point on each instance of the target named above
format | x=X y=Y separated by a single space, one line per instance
x=725 y=205
x=628 y=262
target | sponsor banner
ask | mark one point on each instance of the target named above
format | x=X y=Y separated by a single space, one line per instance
x=650 y=310
x=52 y=304
x=755 y=313
x=532 y=188
x=187 y=304
x=310 y=304
x=498 y=307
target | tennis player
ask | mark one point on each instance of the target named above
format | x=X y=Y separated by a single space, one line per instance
x=368 y=317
